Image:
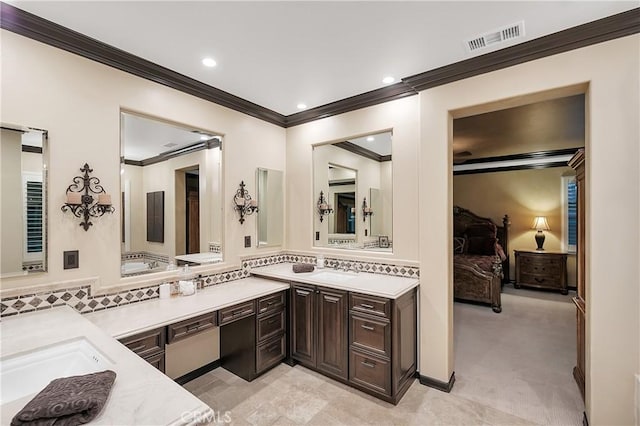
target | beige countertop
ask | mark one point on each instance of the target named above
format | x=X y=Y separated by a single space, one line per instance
x=138 y=317
x=381 y=285
x=135 y=397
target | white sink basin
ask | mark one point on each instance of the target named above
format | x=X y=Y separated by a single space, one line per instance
x=28 y=373
x=333 y=277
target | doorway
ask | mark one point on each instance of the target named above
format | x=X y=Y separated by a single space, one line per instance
x=513 y=161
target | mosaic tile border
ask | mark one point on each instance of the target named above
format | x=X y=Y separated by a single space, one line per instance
x=81 y=299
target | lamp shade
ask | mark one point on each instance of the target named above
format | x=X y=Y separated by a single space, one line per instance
x=540 y=223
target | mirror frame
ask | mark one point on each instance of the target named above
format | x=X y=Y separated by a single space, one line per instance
x=217 y=210
x=45 y=202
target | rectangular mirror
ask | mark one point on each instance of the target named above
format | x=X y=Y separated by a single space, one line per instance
x=270 y=187
x=23 y=188
x=171 y=195
x=353 y=193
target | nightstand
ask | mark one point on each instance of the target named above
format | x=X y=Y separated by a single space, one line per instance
x=541 y=269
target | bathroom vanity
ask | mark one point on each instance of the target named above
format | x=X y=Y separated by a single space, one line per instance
x=357 y=328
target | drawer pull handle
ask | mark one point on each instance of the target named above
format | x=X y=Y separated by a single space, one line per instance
x=539 y=280
x=271 y=321
x=367 y=327
x=271 y=302
x=194 y=327
x=138 y=348
x=273 y=348
x=263 y=309
x=366 y=306
x=368 y=364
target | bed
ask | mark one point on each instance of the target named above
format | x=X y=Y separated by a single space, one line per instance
x=480 y=261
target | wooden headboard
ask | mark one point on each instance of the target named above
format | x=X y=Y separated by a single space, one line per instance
x=462 y=218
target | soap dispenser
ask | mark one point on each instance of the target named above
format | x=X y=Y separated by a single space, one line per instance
x=186 y=284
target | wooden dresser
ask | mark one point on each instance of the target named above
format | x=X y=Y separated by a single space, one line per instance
x=541 y=269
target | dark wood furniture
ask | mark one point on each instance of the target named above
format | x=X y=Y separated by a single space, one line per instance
x=149 y=345
x=479 y=278
x=368 y=342
x=319 y=327
x=577 y=163
x=252 y=342
x=541 y=269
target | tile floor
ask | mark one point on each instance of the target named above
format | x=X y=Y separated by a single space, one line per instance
x=493 y=385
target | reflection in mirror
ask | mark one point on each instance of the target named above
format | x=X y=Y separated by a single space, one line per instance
x=271 y=207
x=23 y=189
x=171 y=195
x=348 y=171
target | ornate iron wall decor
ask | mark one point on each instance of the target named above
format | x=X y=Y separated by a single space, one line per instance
x=323 y=207
x=81 y=200
x=366 y=210
x=243 y=203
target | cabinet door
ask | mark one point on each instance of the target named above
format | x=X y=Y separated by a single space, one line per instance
x=332 y=332
x=303 y=324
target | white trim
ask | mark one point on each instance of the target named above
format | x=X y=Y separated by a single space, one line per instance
x=511 y=163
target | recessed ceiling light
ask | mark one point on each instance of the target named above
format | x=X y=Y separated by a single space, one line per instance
x=204 y=137
x=388 y=80
x=371 y=139
x=209 y=62
x=302 y=106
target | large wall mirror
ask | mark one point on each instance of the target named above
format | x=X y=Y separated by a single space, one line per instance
x=353 y=193
x=270 y=188
x=24 y=201
x=171 y=195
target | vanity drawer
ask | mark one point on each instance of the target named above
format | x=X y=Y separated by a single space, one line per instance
x=370 y=304
x=146 y=344
x=371 y=372
x=271 y=325
x=157 y=361
x=271 y=303
x=187 y=328
x=236 y=312
x=371 y=334
x=270 y=353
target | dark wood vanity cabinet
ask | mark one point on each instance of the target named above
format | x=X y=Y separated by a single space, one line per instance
x=149 y=345
x=319 y=328
x=366 y=341
x=252 y=342
x=383 y=344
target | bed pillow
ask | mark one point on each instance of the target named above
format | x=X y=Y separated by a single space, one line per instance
x=458 y=245
x=481 y=246
x=485 y=230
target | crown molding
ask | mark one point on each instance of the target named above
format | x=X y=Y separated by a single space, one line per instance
x=34 y=27
x=364 y=152
x=28 y=25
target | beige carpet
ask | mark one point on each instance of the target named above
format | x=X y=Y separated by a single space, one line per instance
x=520 y=361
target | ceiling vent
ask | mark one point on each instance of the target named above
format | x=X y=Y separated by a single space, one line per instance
x=492 y=38
x=170 y=145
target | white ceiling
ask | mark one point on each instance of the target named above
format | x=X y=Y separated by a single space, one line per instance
x=381 y=143
x=279 y=54
x=144 y=138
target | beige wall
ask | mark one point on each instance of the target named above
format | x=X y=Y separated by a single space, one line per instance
x=610 y=73
x=79 y=103
x=523 y=195
x=401 y=116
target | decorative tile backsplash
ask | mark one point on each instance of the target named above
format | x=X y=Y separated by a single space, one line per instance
x=81 y=299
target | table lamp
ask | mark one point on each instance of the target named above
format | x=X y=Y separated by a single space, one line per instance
x=540 y=223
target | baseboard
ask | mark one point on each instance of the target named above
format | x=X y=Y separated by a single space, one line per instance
x=585 y=421
x=197 y=372
x=437 y=384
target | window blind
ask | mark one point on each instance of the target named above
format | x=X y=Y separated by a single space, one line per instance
x=34 y=216
x=572 y=214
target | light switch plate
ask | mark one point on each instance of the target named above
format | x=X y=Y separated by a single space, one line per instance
x=71 y=259
x=247 y=241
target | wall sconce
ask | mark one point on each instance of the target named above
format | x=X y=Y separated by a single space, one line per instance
x=366 y=210
x=540 y=223
x=243 y=202
x=323 y=207
x=82 y=203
